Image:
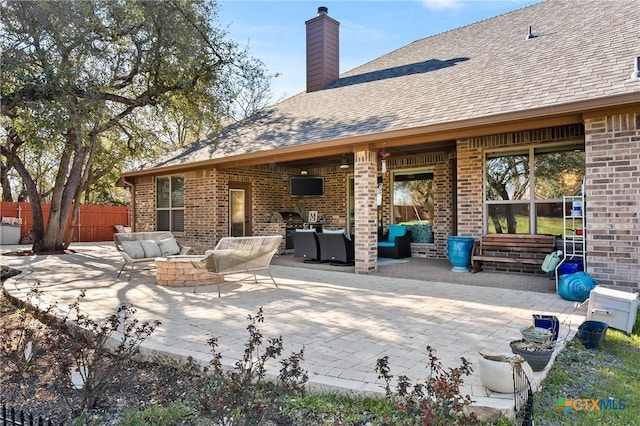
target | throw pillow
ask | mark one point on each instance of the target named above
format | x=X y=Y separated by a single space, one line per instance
x=133 y=249
x=150 y=248
x=396 y=231
x=169 y=246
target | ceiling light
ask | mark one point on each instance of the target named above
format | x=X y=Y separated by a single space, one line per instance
x=344 y=164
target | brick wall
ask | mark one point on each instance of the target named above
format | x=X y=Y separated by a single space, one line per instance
x=612 y=200
x=144 y=212
x=470 y=174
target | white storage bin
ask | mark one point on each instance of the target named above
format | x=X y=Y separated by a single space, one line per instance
x=616 y=308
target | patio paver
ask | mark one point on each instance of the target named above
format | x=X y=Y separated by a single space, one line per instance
x=344 y=321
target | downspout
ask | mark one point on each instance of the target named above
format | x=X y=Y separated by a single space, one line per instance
x=132 y=191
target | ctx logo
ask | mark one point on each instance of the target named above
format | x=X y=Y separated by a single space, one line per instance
x=589 y=404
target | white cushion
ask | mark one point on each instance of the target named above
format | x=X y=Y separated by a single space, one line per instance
x=133 y=249
x=150 y=248
x=169 y=246
x=306 y=230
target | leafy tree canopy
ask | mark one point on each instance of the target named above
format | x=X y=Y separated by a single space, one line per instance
x=88 y=85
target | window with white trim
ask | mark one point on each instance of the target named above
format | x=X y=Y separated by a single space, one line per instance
x=524 y=187
x=170 y=203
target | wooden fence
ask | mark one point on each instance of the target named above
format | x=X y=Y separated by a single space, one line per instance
x=94 y=222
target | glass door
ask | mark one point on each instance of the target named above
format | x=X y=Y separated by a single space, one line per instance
x=236 y=212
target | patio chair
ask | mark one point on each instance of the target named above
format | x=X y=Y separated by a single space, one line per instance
x=336 y=247
x=396 y=243
x=305 y=245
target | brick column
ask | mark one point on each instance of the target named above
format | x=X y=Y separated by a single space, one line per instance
x=612 y=198
x=366 y=221
x=469 y=187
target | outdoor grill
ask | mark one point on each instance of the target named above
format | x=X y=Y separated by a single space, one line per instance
x=292 y=221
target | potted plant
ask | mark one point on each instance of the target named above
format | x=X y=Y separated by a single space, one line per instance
x=536 y=354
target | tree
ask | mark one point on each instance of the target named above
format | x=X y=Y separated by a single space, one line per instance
x=81 y=78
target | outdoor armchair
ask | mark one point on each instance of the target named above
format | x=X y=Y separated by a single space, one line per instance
x=396 y=243
x=336 y=247
x=306 y=245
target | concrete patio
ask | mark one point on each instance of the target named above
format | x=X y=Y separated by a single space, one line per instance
x=344 y=321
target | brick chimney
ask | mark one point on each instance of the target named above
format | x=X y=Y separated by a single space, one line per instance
x=323 y=65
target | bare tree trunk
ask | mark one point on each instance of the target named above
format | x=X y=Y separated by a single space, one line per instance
x=64 y=193
x=4 y=182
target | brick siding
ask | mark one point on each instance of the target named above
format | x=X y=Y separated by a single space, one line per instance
x=612 y=182
x=612 y=199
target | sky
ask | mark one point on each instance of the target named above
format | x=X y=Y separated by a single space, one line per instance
x=274 y=31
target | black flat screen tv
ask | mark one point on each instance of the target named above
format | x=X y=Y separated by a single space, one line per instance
x=311 y=186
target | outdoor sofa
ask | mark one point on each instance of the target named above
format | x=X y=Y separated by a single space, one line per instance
x=143 y=247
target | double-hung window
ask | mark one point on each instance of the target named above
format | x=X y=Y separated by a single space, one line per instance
x=170 y=204
x=525 y=186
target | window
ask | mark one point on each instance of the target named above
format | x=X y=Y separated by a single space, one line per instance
x=524 y=188
x=413 y=201
x=170 y=204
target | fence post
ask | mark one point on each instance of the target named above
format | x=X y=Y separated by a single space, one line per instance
x=79 y=226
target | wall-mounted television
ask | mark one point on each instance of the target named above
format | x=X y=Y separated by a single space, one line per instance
x=301 y=186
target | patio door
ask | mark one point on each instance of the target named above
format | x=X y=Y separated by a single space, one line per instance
x=239 y=209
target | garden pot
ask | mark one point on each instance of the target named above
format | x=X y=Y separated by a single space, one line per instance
x=592 y=333
x=536 y=357
x=498 y=375
x=549 y=322
x=459 y=252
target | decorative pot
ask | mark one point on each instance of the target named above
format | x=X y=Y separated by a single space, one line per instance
x=534 y=354
x=498 y=375
x=550 y=322
x=459 y=252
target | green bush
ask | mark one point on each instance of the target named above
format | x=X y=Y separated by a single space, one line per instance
x=437 y=401
x=241 y=396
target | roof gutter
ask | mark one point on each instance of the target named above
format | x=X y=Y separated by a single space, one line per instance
x=569 y=113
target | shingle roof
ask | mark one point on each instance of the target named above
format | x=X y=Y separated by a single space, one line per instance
x=582 y=50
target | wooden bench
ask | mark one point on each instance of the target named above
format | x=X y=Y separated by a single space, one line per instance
x=528 y=249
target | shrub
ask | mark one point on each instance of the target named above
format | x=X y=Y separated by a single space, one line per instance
x=98 y=349
x=23 y=335
x=241 y=396
x=437 y=401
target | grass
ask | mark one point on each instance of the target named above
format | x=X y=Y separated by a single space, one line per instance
x=608 y=372
x=545 y=225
